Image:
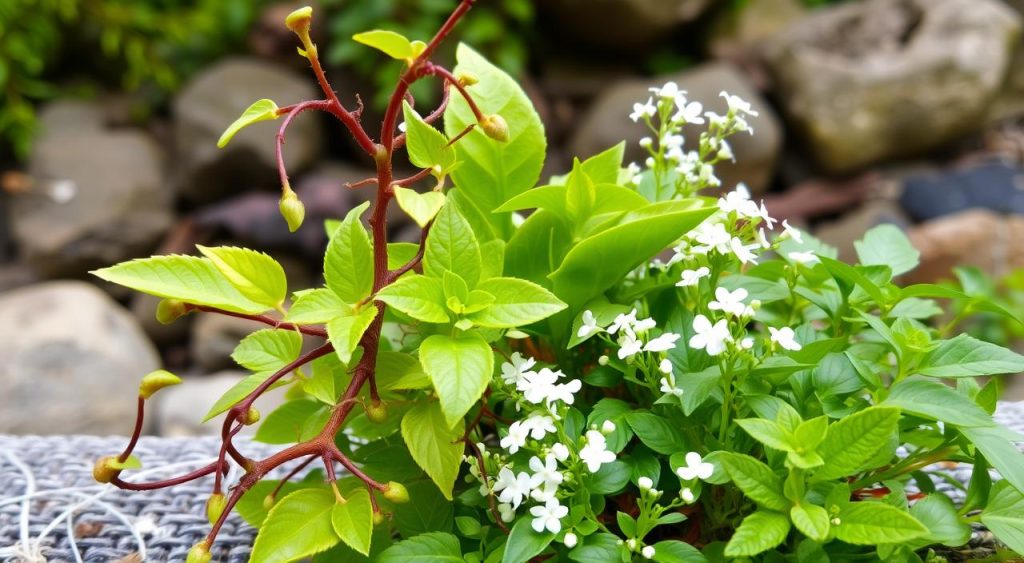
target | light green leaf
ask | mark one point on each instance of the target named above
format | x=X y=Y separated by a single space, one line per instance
x=516 y=303
x=452 y=246
x=935 y=400
x=490 y=172
x=284 y=424
x=524 y=543
x=436 y=447
x=603 y=168
x=1004 y=515
x=886 y=245
x=435 y=547
x=873 y=523
x=675 y=551
x=460 y=368
x=238 y=392
x=996 y=444
x=348 y=264
x=256 y=275
x=756 y=480
x=420 y=297
x=345 y=331
x=853 y=442
x=428 y=147
x=323 y=384
x=316 y=306
x=812 y=521
x=420 y=207
x=185 y=278
x=966 y=356
x=397 y=370
x=758 y=533
x=939 y=515
x=426 y=511
x=298 y=526
x=392 y=44
x=353 y=520
x=268 y=350
x=768 y=432
x=260 y=110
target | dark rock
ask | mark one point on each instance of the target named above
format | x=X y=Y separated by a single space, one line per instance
x=869 y=81
x=997 y=186
x=70 y=361
x=624 y=25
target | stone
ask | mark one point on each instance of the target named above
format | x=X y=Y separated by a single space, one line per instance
x=213 y=100
x=635 y=24
x=994 y=184
x=70 y=115
x=976 y=237
x=870 y=81
x=607 y=122
x=181 y=409
x=214 y=338
x=741 y=29
x=851 y=227
x=98 y=197
x=70 y=361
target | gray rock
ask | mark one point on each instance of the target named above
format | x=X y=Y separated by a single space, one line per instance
x=743 y=28
x=976 y=237
x=98 y=198
x=181 y=409
x=212 y=101
x=214 y=338
x=70 y=361
x=143 y=308
x=607 y=122
x=624 y=25
x=70 y=115
x=870 y=81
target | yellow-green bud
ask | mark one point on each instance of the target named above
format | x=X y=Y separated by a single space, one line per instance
x=467 y=78
x=170 y=310
x=298 y=21
x=200 y=553
x=102 y=472
x=155 y=381
x=396 y=492
x=268 y=502
x=378 y=518
x=292 y=209
x=377 y=412
x=251 y=416
x=495 y=127
x=215 y=507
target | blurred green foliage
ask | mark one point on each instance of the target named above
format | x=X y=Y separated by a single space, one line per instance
x=497 y=29
x=152 y=44
x=1007 y=292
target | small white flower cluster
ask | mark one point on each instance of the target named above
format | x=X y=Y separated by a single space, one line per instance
x=539 y=387
x=630 y=332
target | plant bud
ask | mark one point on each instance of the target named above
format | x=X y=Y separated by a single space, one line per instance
x=378 y=518
x=251 y=416
x=200 y=553
x=101 y=470
x=377 y=412
x=467 y=78
x=155 y=381
x=292 y=209
x=268 y=502
x=215 y=507
x=170 y=310
x=299 y=20
x=396 y=493
x=495 y=127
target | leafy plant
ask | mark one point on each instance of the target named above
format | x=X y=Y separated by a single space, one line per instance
x=519 y=387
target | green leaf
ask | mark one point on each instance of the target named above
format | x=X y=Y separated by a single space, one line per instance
x=812 y=521
x=428 y=147
x=603 y=168
x=843 y=272
x=873 y=523
x=185 y=278
x=656 y=432
x=524 y=543
x=756 y=480
x=260 y=110
x=452 y=246
x=490 y=172
x=345 y=331
x=348 y=264
x=758 y=533
x=611 y=478
x=516 y=303
x=435 y=547
x=996 y=444
x=268 y=350
x=392 y=44
x=966 y=356
x=284 y=424
x=460 y=368
x=420 y=207
x=256 y=275
x=353 y=520
x=931 y=399
x=939 y=515
x=436 y=447
x=426 y=511
x=420 y=297
x=596 y=547
x=298 y=526
x=323 y=384
x=674 y=551
x=768 y=432
x=396 y=370
x=238 y=392
x=886 y=245
x=1004 y=515
x=315 y=306
x=853 y=442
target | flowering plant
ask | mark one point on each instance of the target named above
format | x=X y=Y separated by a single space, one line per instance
x=546 y=387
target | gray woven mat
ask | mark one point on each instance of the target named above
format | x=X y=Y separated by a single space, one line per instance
x=108 y=524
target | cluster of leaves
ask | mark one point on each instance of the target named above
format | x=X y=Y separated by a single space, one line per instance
x=144 y=43
x=781 y=406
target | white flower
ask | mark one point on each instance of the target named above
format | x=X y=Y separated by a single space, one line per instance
x=663 y=343
x=536 y=386
x=725 y=151
x=647 y=552
x=695 y=468
x=692 y=277
x=668 y=386
x=671 y=142
x=710 y=338
x=607 y=427
x=588 y=326
x=596 y=451
x=784 y=337
x=739 y=201
x=560 y=451
x=512 y=371
x=570 y=540
x=645 y=483
x=546 y=477
x=762 y=239
x=737 y=104
x=729 y=302
x=507 y=512
x=763 y=212
x=803 y=257
x=548 y=516
x=743 y=253
x=631 y=544
x=538 y=425
x=629 y=345
x=644 y=325
x=564 y=392
x=623 y=321
x=792 y=232
x=712 y=236
x=669 y=90
x=716 y=121
x=646 y=142
x=644 y=110
x=747 y=343
x=665 y=366
x=687 y=495
x=689 y=113
x=516 y=438
x=512 y=488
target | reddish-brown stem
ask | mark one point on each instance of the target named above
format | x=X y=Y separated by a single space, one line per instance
x=355 y=471
x=304 y=329
x=493 y=504
x=139 y=416
x=291 y=474
x=436 y=70
x=461 y=134
x=294 y=110
x=408 y=181
x=226 y=437
x=361 y=183
x=201 y=472
x=347 y=118
x=415 y=260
